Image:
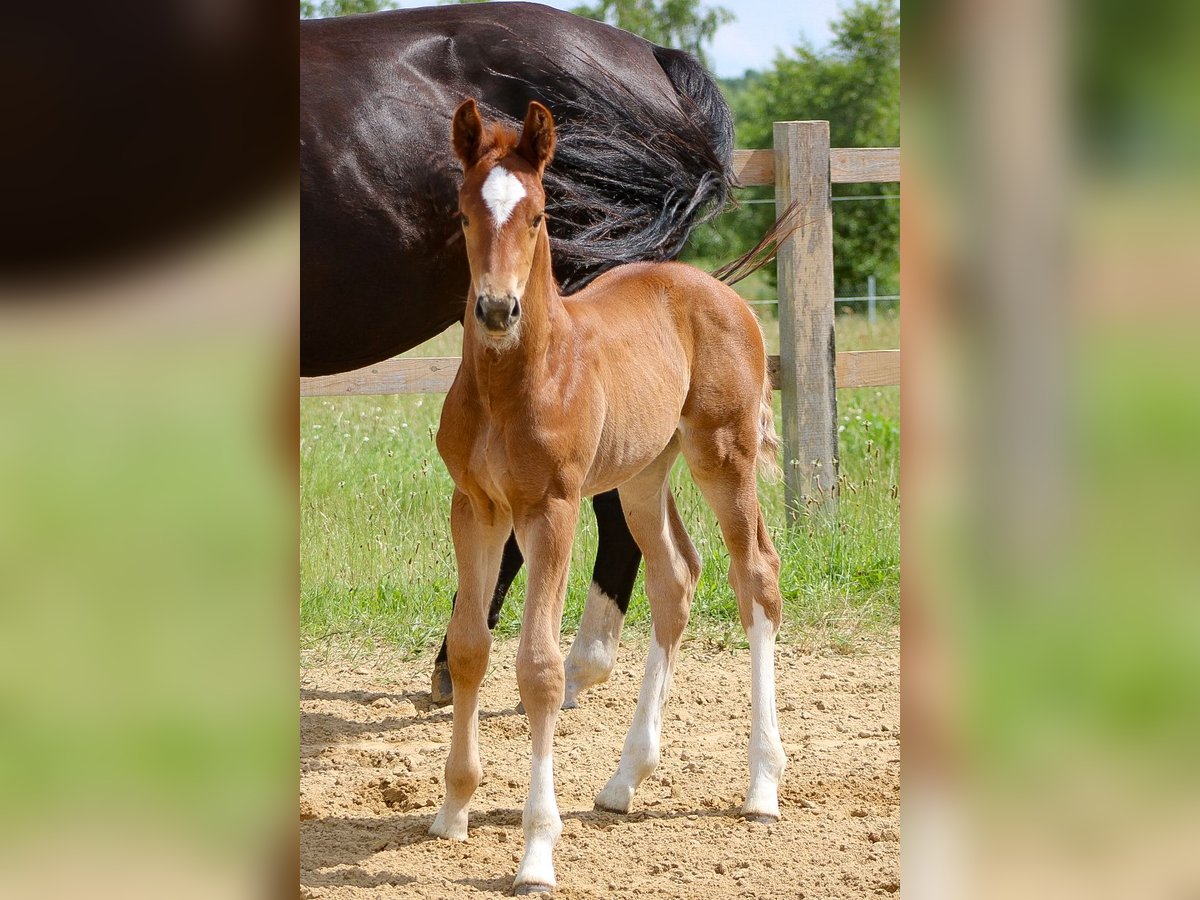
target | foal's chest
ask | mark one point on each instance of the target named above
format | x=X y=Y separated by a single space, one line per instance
x=501 y=460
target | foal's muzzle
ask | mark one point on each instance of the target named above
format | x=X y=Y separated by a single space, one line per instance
x=497 y=314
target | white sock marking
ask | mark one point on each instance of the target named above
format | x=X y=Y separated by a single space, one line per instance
x=502 y=191
x=541 y=824
x=641 y=752
x=767 y=759
x=594 y=649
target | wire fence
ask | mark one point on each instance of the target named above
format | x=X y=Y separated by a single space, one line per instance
x=834 y=199
x=888 y=297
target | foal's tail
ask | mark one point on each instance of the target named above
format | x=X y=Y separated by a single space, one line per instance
x=734 y=271
x=764 y=251
x=768 y=446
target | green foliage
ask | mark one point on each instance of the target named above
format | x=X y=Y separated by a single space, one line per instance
x=324 y=9
x=855 y=84
x=682 y=24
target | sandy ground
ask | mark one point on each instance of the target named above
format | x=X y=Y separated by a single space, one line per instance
x=372 y=754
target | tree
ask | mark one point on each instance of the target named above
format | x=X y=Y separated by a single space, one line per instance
x=309 y=9
x=682 y=24
x=855 y=84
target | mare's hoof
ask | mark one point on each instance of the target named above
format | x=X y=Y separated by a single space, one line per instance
x=570 y=703
x=524 y=890
x=441 y=688
x=761 y=819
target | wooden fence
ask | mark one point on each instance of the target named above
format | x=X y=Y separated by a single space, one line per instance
x=808 y=369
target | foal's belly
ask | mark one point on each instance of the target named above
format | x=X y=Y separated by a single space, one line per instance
x=624 y=453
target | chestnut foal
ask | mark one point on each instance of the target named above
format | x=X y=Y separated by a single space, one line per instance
x=559 y=398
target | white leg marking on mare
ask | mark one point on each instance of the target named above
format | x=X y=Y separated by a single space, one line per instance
x=640 y=755
x=594 y=649
x=767 y=759
x=541 y=824
x=502 y=191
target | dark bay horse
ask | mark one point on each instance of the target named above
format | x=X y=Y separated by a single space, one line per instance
x=644 y=149
x=562 y=397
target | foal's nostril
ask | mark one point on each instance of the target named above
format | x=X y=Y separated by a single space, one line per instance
x=497 y=314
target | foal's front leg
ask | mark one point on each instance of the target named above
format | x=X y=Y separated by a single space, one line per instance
x=441 y=687
x=672 y=570
x=545 y=534
x=479 y=536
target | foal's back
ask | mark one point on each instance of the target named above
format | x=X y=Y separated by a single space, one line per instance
x=686 y=337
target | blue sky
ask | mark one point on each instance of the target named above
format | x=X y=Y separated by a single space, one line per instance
x=761 y=27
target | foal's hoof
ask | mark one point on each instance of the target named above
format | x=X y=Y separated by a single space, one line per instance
x=615 y=799
x=760 y=818
x=570 y=703
x=524 y=890
x=441 y=688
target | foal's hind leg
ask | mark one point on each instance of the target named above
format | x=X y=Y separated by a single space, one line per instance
x=594 y=649
x=724 y=469
x=478 y=544
x=672 y=570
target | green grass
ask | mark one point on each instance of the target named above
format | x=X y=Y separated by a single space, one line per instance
x=377 y=566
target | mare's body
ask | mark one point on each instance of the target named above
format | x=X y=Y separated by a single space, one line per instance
x=382 y=259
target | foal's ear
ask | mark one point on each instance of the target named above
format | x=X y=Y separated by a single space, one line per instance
x=468 y=133
x=537 y=137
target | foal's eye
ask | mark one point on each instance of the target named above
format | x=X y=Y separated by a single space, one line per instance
x=465 y=220
x=537 y=220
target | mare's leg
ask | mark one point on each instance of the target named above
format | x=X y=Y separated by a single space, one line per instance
x=441 y=687
x=672 y=570
x=479 y=536
x=723 y=466
x=545 y=533
x=594 y=649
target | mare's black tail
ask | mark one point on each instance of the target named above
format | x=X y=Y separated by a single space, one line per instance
x=703 y=101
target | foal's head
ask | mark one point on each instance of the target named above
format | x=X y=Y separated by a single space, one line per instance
x=502 y=205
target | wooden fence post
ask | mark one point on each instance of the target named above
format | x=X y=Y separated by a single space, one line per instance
x=806 y=345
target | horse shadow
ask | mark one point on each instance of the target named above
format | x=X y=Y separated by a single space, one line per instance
x=346 y=729
x=420 y=699
x=327 y=729
x=354 y=877
x=348 y=840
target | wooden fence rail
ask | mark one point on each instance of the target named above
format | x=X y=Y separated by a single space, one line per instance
x=803 y=168
x=435 y=374
x=855 y=165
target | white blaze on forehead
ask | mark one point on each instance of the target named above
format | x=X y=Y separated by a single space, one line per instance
x=502 y=191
